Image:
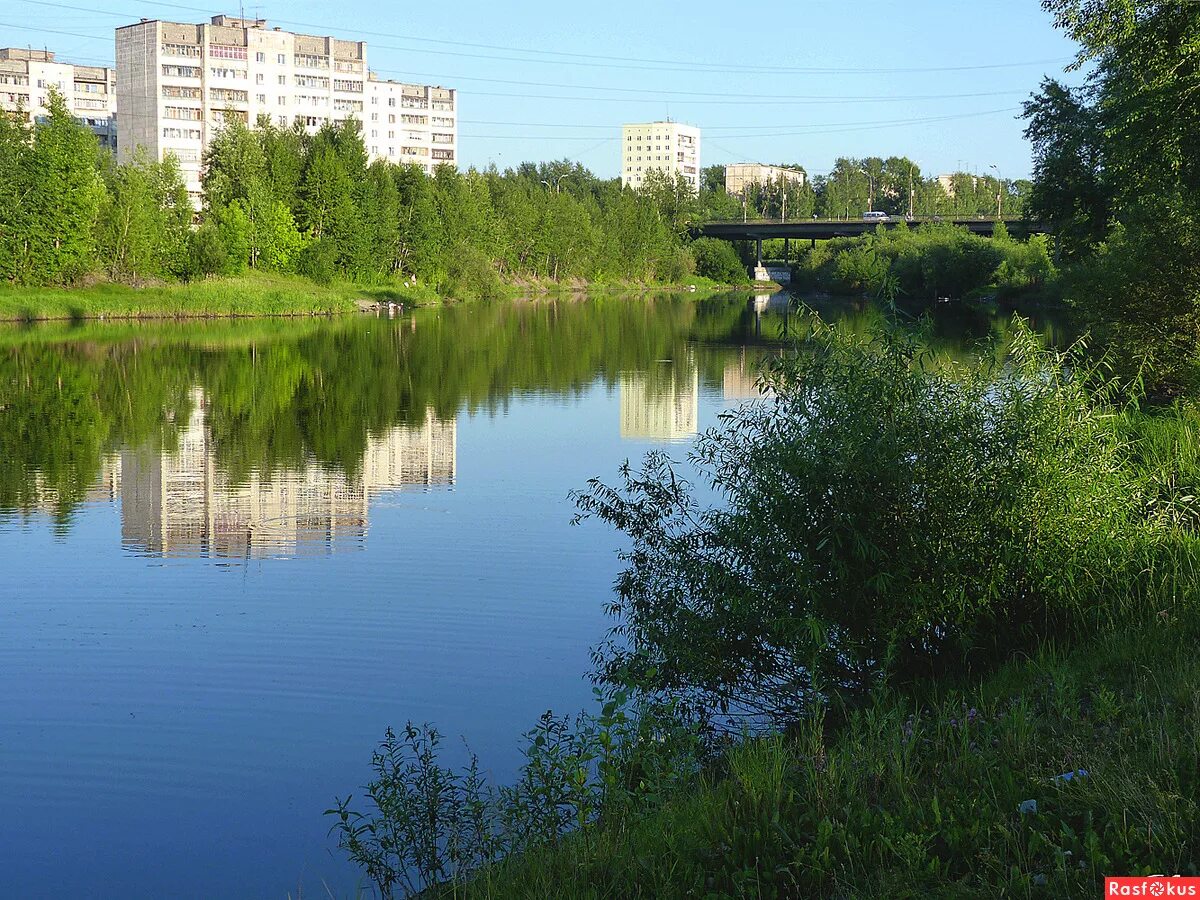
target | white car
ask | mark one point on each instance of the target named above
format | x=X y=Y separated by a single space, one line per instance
x=876 y=216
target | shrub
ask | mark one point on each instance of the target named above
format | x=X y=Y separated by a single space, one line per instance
x=879 y=520
x=716 y=259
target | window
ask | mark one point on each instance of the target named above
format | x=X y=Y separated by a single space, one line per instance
x=190 y=133
x=260 y=57
x=175 y=90
x=182 y=112
x=391 y=119
x=181 y=71
x=280 y=58
x=181 y=50
x=260 y=98
x=259 y=78
x=283 y=79
x=223 y=51
x=391 y=101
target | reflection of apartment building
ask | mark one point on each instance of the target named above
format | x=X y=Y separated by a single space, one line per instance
x=668 y=147
x=27 y=76
x=178 y=84
x=661 y=406
x=181 y=501
x=740 y=176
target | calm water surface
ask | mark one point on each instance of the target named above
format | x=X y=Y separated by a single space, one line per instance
x=232 y=554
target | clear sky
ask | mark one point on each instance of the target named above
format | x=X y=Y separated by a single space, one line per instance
x=803 y=81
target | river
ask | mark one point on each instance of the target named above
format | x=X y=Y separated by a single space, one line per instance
x=232 y=553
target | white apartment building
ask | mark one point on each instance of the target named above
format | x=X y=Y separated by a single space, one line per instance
x=670 y=147
x=26 y=77
x=178 y=84
x=739 y=176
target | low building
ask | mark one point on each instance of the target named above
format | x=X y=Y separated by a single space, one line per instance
x=947 y=182
x=668 y=147
x=179 y=84
x=740 y=176
x=27 y=77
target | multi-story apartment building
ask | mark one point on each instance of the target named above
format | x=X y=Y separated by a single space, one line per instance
x=739 y=176
x=27 y=76
x=178 y=84
x=669 y=147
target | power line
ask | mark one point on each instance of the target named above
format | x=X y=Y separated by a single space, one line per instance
x=601 y=60
x=831 y=128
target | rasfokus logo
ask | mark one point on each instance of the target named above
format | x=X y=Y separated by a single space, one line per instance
x=1151 y=886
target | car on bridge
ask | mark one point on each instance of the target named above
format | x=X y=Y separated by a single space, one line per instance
x=875 y=216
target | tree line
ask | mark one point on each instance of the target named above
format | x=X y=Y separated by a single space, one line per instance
x=857 y=185
x=282 y=200
x=1117 y=174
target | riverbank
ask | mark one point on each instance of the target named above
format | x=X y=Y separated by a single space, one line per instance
x=1054 y=772
x=261 y=295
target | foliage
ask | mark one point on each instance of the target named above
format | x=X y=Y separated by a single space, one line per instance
x=429 y=824
x=1117 y=172
x=920 y=795
x=878 y=521
x=716 y=259
x=54 y=193
x=928 y=262
x=281 y=200
x=1140 y=294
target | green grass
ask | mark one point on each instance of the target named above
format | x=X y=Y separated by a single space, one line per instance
x=248 y=295
x=256 y=294
x=920 y=796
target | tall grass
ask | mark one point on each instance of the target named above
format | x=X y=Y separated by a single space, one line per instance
x=248 y=295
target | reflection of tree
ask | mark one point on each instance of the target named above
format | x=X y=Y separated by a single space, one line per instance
x=280 y=395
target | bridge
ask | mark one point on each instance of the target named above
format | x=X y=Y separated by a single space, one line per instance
x=759 y=230
x=824 y=229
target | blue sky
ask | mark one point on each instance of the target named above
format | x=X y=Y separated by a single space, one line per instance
x=803 y=81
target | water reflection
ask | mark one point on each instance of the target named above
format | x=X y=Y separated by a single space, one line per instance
x=662 y=403
x=245 y=439
x=183 y=502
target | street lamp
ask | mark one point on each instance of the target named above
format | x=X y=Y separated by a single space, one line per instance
x=870 y=189
x=999 y=193
x=557 y=183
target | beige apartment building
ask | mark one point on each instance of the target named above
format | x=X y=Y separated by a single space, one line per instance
x=178 y=84
x=739 y=176
x=669 y=147
x=27 y=76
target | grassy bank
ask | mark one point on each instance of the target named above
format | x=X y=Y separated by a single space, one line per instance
x=247 y=295
x=921 y=795
x=260 y=295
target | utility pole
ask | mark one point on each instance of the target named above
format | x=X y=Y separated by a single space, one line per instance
x=999 y=193
x=911 y=192
x=870 y=189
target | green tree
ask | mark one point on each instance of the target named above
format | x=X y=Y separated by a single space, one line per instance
x=63 y=198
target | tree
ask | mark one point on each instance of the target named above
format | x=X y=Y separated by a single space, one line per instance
x=143 y=223
x=1069 y=189
x=63 y=198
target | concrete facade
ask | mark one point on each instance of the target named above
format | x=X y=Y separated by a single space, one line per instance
x=739 y=176
x=178 y=84
x=27 y=76
x=669 y=147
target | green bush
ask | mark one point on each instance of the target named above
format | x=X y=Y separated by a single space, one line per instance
x=927 y=263
x=716 y=259
x=882 y=520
